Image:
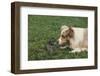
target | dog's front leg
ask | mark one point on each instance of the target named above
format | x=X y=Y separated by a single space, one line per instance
x=75 y=46
x=75 y=50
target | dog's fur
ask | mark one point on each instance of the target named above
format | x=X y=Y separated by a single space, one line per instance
x=75 y=38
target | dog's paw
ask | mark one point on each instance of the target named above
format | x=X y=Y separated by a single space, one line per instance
x=75 y=50
x=78 y=50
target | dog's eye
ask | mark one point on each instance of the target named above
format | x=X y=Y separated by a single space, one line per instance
x=63 y=36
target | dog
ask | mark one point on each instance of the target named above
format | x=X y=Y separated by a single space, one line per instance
x=73 y=37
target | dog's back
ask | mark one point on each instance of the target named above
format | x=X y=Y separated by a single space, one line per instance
x=80 y=39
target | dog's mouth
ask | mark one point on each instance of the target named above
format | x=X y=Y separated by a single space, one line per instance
x=63 y=46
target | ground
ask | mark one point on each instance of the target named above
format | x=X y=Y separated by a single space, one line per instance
x=41 y=28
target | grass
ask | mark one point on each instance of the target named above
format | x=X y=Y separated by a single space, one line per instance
x=41 y=28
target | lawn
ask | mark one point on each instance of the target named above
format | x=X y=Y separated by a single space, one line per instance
x=41 y=28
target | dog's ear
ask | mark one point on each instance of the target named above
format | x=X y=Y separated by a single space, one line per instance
x=71 y=32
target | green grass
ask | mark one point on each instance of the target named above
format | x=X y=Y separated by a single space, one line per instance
x=41 y=28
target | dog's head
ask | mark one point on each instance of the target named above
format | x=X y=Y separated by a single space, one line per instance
x=66 y=34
